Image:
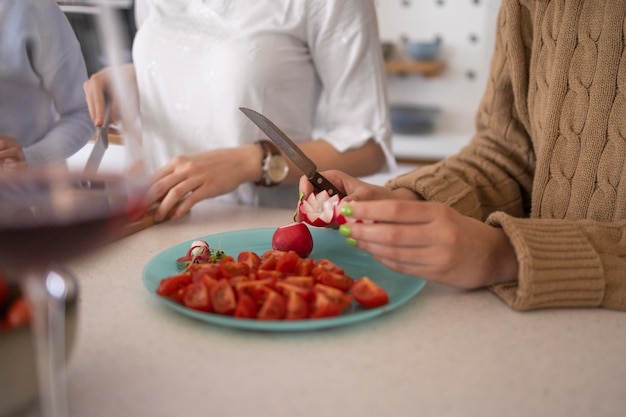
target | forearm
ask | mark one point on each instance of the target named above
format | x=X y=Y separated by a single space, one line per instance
x=364 y=160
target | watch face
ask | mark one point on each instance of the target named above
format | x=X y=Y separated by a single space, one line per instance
x=277 y=169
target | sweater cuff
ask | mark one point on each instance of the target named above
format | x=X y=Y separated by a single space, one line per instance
x=558 y=267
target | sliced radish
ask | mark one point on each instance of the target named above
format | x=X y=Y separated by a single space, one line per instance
x=319 y=209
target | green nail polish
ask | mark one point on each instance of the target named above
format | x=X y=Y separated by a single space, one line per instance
x=344 y=230
x=351 y=241
x=346 y=210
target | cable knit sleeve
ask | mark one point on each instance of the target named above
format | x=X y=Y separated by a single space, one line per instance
x=565 y=263
x=547 y=164
x=494 y=171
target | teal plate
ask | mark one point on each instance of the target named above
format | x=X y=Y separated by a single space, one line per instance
x=329 y=244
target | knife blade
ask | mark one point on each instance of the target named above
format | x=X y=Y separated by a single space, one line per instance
x=100 y=145
x=293 y=152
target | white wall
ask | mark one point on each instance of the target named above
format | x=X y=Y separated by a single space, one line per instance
x=466 y=28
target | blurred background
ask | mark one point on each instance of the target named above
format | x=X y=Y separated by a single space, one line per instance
x=437 y=55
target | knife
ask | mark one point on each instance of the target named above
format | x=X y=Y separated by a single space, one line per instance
x=100 y=145
x=292 y=151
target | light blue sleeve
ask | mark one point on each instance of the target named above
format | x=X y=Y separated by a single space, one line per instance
x=58 y=59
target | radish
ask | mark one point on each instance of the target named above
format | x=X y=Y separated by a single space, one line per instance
x=293 y=237
x=319 y=209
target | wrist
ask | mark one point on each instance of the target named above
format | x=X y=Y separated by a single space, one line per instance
x=274 y=167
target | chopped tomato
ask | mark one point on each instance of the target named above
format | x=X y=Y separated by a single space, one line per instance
x=168 y=287
x=250 y=287
x=368 y=294
x=18 y=314
x=251 y=259
x=296 y=307
x=246 y=307
x=326 y=265
x=238 y=279
x=286 y=288
x=301 y=281
x=338 y=297
x=208 y=280
x=223 y=297
x=263 y=274
x=273 y=308
x=287 y=262
x=199 y=270
x=197 y=297
x=304 y=267
x=334 y=279
x=233 y=268
x=322 y=307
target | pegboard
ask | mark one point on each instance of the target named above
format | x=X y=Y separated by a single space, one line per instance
x=466 y=29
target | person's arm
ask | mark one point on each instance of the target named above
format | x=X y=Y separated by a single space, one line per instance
x=565 y=263
x=495 y=170
x=345 y=47
x=58 y=59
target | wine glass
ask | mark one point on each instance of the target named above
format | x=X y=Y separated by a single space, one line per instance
x=50 y=215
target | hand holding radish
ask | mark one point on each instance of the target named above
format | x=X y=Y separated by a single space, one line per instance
x=424 y=239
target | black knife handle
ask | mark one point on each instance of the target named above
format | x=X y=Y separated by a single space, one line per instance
x=321 y=183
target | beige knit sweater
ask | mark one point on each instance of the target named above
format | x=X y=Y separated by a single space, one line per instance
x=548 y=160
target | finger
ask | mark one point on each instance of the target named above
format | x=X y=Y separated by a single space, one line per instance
x=305 y=186
x=396 y=211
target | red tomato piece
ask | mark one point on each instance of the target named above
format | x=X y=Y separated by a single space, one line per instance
x=226 y=258
x=323 y=306
x=238 y=279
x=286 y=288
x=250 y=258
x=231 y=269
x=246 y=307
x=287 y=262
x=273 y=307
x=223 y=297
x=304 y=267
x=168 y=287
x=197 y=297
x=326 y=265
x=336 y=280
x=200 y=270
x=18 y=314
x=268 y=264
x=368 y=294
x=297 y=308
x=338 y=297
x=301 y=281
x=263 y=274
x=250 y=287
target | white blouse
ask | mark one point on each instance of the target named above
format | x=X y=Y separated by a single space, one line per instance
x=314 y=67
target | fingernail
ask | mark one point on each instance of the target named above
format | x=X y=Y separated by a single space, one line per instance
x=344 y=230
x=346 y=210
x=351 y=241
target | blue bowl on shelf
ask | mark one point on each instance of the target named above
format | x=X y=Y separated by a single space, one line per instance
x=423 y=50
x=413 y=119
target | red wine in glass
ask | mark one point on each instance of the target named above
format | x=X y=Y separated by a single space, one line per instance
x=48 y=216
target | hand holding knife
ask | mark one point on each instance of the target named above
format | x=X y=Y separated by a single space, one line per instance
x=295 y=154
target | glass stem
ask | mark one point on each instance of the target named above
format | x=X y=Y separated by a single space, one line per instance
x=48 y=327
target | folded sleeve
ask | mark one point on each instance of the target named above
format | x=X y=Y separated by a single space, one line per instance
x=345 y=47
x=565 y=263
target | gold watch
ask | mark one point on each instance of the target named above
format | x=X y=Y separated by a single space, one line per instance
x=273 y=164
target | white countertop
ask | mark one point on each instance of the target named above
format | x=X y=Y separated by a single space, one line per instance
x=447 y=352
